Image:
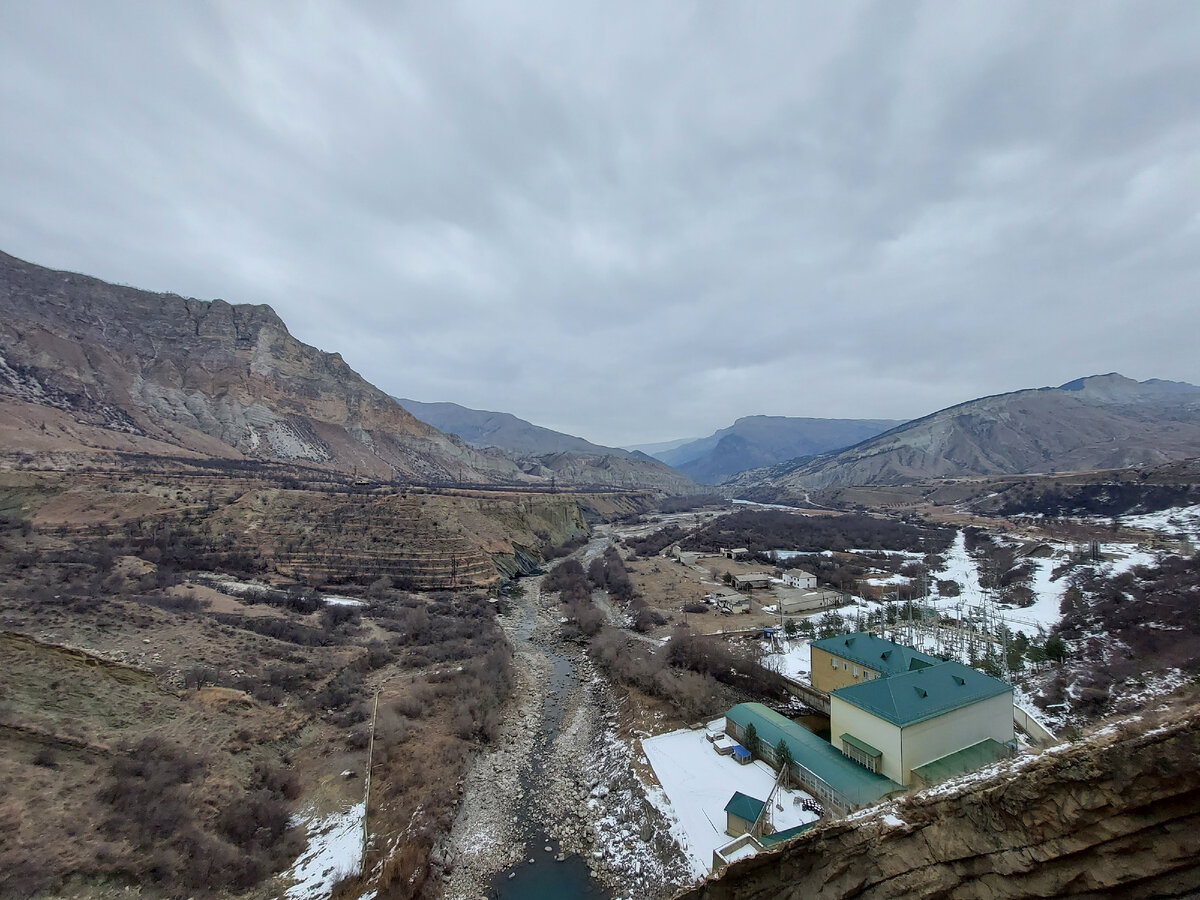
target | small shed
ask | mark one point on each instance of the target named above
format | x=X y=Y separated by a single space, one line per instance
x=742 y=813
x=724 y=744
x=752 y=581
x=741 y=755
x=793 y=601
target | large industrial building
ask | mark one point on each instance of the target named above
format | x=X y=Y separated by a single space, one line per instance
x=899 y=718
x=853 y=658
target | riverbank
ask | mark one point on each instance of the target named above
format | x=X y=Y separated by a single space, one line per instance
x=558 y=770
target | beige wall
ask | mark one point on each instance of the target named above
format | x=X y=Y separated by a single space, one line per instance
x=934 y=738
x=879 y=733
x=906 y=748
x=826 y=678
x=735 y=825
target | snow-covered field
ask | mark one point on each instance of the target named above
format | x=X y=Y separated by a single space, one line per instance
x=696 y=785
x=1181 y=520
x=334 y=852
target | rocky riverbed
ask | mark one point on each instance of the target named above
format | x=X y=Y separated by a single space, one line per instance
x=560 y=770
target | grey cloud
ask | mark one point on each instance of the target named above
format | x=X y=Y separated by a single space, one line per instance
x=632 y=221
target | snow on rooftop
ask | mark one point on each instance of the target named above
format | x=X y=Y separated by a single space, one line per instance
x=696 y=785
x=743 y=852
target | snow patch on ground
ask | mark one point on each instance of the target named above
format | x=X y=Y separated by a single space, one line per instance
x=335 y=600
x=1127 y=556
x=1047 y=605
x=793 y=660
x=334 y=852
x=1180 y=520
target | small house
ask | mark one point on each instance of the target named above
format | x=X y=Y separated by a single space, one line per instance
x=743 y=814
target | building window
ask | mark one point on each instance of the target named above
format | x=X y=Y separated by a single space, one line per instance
x=866 y=761
x=856 y=672
x=834 y=661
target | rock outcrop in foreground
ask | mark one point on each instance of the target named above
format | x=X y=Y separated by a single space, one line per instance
x=1117 y=814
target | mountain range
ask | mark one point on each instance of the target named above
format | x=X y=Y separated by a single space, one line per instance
x=1097 y=422
x=544 y=453
x=90 y=369
x=756 y=441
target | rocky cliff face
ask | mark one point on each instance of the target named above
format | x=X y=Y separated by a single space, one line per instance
x=1117 y=814
x=208 y=377
x=1101 y=422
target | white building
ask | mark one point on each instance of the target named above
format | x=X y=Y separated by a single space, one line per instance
x=798 y=578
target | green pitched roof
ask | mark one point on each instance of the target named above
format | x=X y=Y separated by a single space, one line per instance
x=857 y=785
x=861 y=745
x=885 y=657
x=770 y=840
x=745 y=807
x=967 y=759
x=922 y=694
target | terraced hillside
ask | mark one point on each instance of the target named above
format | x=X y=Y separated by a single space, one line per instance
x=420 y=540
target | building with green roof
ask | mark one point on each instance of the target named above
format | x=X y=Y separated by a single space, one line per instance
x=838 y=782
x=896 y=724
x=854 y=658
x=742 y=814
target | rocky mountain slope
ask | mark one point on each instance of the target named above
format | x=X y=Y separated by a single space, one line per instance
x=1116 y=814
x=546 y=454
x=1099 y=422
x=483 y=428
x=206 y=377
x=755 y=441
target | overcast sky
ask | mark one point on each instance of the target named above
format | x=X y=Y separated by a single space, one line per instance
x=634 y=221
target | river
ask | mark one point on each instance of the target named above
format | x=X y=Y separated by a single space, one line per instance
x=554 y=802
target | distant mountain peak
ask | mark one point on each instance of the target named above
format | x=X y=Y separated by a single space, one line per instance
x=760 y=440
x=1096 y=422
x=1111 y=378
x=546 y=452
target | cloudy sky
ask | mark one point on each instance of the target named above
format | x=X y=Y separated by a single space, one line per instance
x=634 y=221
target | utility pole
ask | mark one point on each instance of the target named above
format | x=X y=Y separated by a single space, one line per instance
x=362 y=865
